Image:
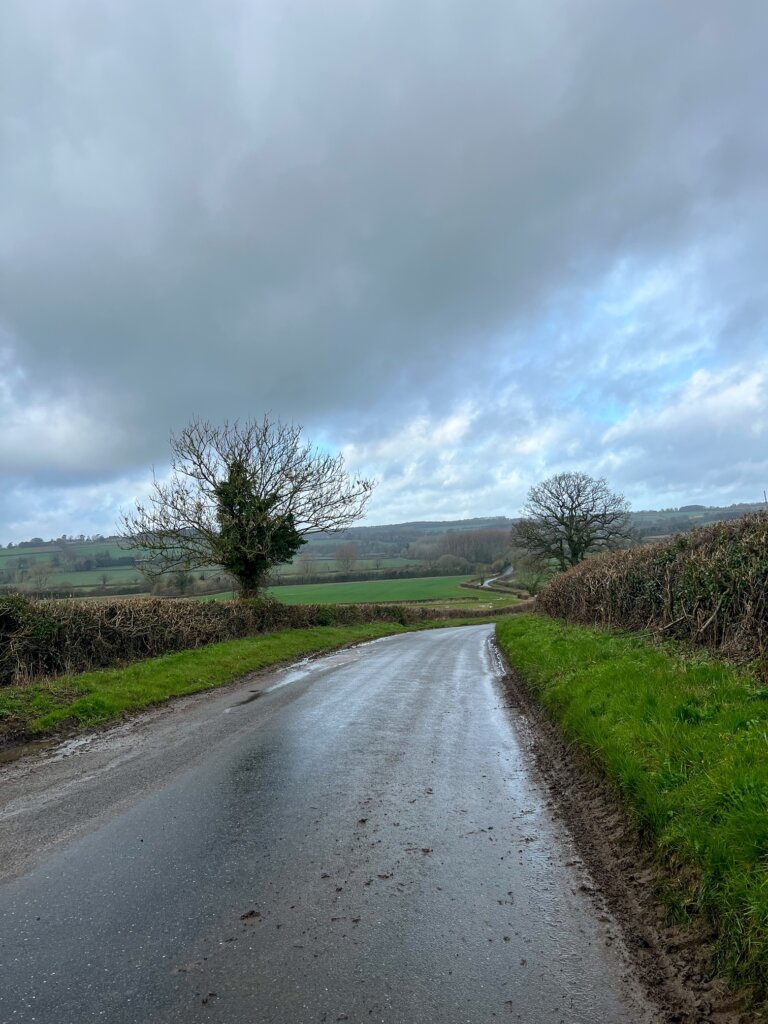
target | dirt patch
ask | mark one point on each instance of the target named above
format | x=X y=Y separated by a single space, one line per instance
x=675 y=963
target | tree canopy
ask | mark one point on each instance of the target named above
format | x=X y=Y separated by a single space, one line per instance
x=242 y=496
x=569 y=516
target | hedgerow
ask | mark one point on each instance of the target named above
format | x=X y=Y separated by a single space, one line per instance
x=50 y=638
x=707 y=587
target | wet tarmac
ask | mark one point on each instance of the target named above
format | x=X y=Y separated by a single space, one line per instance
x=361 y=838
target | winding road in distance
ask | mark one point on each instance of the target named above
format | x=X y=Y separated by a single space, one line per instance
x=359 y=838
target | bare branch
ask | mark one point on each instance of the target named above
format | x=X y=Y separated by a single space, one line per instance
x=286 y=483
x=571 y=515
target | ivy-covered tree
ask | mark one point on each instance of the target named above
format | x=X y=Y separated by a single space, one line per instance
x=242 y=496
x=253 y=534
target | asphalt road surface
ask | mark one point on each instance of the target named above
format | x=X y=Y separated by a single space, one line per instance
x=361 y=838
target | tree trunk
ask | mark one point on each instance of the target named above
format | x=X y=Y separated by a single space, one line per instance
x=251 y=588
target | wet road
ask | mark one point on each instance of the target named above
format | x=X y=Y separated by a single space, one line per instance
x=360 y=840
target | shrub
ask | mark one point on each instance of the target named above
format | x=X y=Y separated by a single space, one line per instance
x=707 y=587
x=50 y=638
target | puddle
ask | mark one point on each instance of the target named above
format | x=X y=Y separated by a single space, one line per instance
x=58 y=749
x=11 y=754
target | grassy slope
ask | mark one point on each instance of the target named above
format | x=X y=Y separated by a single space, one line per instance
x=94 y=697
x=687 y=741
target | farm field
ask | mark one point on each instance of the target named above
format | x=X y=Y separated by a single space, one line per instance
x=327 y=564
x=94 y=578
x=434 y=591
x=25 y=568
x=77 y=549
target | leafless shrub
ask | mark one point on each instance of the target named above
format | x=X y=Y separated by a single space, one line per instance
x=709 y=587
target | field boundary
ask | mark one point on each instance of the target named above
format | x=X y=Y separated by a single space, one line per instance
x=43 y=639
x=707 y=588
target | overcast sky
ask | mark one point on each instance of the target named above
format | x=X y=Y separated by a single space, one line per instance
x=469 y=244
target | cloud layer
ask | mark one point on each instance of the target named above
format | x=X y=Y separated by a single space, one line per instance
x=470 y=246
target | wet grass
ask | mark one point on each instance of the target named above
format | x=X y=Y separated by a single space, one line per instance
x=93 y=698
x=686 y=739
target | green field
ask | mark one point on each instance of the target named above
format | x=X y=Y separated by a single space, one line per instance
x=121 y=574
x=79 y=549
x=437 y=590
x=18 y=567
x=327 y=563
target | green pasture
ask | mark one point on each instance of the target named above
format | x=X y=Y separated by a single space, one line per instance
x=431 y=588
x=64 y=577
x=326 y=563
x=438 y=591
x=27 y=554
x=73 y=549
x=123 y=574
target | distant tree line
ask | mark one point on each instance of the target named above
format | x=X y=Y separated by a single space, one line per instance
x=462 y=550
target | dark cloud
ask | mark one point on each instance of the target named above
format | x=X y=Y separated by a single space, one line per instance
x=360 y=215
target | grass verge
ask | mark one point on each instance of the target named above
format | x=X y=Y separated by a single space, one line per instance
x=92 y=698
x=686 y=739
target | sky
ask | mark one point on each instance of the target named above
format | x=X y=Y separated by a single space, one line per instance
x=467 y=245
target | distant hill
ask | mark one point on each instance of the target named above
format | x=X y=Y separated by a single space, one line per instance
x=393 y=537
x=647 y=521
x=662 y=523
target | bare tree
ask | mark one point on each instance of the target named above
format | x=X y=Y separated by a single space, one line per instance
x=40 y=574
x=346 y=556
x=531 y=572
x=242 y=496
x=17 y=569
x=307 y=565
x=569 y=516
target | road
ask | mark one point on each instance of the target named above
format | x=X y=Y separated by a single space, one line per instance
x=505 y=575
x=361 y=838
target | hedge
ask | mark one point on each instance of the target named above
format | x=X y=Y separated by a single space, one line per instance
x=50 y=638
x=708 y=587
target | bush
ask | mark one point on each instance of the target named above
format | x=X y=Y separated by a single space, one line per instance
x=50 y=638
x=707 y=587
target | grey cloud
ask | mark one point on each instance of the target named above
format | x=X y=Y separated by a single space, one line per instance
x=352 y=214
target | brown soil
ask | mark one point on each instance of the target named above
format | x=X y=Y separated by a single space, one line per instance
x=675 y=963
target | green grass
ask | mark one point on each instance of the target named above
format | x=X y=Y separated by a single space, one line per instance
x=429 y=588
x=93 y=577
x=92 y=698
x=437 y=590
x=433 y=591
x=686 y=739
x=326 y=562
